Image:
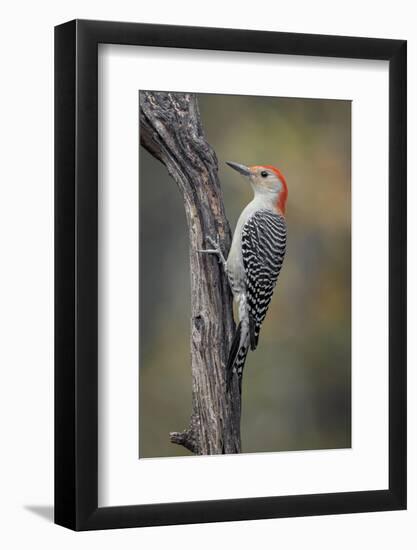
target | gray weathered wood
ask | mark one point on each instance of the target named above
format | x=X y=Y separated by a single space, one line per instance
x=171 y=130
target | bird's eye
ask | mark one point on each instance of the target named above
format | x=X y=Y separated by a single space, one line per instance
x=264 y=174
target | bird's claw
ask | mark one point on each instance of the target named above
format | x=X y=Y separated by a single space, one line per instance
x=214 y=243
x=215 y=250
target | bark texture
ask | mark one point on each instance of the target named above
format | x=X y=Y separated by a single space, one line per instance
x=171 y=130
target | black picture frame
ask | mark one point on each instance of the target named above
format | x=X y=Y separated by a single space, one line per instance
x=76 y=272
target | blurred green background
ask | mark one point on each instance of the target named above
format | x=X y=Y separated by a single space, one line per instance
x=297 y=385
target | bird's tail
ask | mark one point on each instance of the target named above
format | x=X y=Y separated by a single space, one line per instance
x=237 y=356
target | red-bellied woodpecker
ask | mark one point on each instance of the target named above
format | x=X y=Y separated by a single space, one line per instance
x=255 y=258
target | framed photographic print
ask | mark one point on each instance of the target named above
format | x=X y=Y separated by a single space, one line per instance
x=230 y=337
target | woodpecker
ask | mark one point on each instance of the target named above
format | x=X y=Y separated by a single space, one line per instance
x=255 y=258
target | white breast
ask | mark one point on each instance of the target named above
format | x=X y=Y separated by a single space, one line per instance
x=234 y=264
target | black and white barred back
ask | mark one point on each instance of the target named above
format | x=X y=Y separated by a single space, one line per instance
x=263 y=248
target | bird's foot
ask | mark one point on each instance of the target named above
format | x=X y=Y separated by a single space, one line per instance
x=215 y=250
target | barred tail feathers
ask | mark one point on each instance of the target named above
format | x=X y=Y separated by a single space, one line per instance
x=237 y=355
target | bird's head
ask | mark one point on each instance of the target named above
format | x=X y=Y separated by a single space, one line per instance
x=267 y=181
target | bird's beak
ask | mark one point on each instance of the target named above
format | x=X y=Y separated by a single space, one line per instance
x=241 y=168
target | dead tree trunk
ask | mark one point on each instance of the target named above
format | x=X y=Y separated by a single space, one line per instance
x=171 y=130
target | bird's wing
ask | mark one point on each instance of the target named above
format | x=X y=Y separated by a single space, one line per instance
x=264 y=238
